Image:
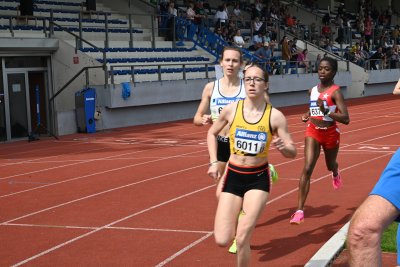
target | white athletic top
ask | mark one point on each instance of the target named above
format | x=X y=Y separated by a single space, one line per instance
x=326 y=97
x=219 y=101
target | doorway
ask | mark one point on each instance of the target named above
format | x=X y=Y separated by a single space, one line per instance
x=26 y=109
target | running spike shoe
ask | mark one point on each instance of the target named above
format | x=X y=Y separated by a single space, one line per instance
x=337 y=181
x=297 y=217
x=273 y=173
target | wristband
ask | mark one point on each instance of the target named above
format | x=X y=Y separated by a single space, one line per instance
x=212 y=163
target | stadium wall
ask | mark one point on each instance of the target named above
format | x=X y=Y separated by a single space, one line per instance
x=154 y=102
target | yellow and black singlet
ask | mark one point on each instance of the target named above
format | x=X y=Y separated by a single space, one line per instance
x=250 y=139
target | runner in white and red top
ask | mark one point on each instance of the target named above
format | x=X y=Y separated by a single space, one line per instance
x=326 y=108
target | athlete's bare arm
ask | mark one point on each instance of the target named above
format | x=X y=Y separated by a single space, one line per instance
x=396 y=90
x=343 y=115
x=306 y=116
x=223 y=119
x=201 y=117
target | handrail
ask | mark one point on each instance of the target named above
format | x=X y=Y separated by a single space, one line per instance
x=132 y=68
x=103 y=51
x=73 y=78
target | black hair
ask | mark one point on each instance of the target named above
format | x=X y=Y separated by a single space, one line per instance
x=332 y=62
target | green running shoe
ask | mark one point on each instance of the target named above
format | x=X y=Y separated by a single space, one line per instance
x=233 y=248
x=273 y=173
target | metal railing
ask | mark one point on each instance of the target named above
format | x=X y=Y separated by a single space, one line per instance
x=159 y=70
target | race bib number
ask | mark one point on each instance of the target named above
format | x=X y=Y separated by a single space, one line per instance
x=219 y=103
x=250 y=142
x=314 y=109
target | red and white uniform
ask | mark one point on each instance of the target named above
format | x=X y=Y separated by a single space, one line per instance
x=328 y=137
x=326 y=96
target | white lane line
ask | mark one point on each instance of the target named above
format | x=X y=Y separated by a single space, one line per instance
x=326 y=176
x=100 y=193
x=108 y=225
x=180 y=252
x=94 y=174
x=72 y=164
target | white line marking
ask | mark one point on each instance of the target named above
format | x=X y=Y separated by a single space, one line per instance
x=325 y=176
x=108 y=225
x=72 y=164
x=180 y=252
x=100 y=193
x=93 y=174
x=111 y=227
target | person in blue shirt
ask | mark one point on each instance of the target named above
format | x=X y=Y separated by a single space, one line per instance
x=264 y=53
x=375 y=214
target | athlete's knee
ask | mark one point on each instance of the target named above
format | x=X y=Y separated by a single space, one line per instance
x=222 y=240
x=363 y=233
x=307 y=171
x=332 y=166
x=242 y=239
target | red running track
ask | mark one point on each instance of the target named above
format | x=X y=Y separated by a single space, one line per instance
x=140 y=196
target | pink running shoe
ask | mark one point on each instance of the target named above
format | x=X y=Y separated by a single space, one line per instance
x=297 y=217
x=337 y=181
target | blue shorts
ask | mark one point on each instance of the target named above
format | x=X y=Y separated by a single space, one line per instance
x=388 y=185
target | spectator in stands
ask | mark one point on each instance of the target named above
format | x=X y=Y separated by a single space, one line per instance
x=274 y=13
x=303 y=61
x=286 y=55
x=172 y=13
x=267 y=36
x=272 y=28
x=201 y=17
x=364 y=46
x=231 y=27
x=340 y=9
x=326 y=19
x=190 y=16
x=326 y=31
x=257 y=41
x=368 y=25
x=317 y=61
x=395 y=59
x=259 y=8
x=359 y=57
x=221 y=17
x=218 y=32
x=293 y=49
x=190 y=13
x=396 y=35
x=377 y=58
x=340 y=37
x=265 y=54
x=289 y=21
x=238 y=39
x=207 y=6
x=360 y=26
x=237 y=16
x=257 y=25
x=226 y=35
